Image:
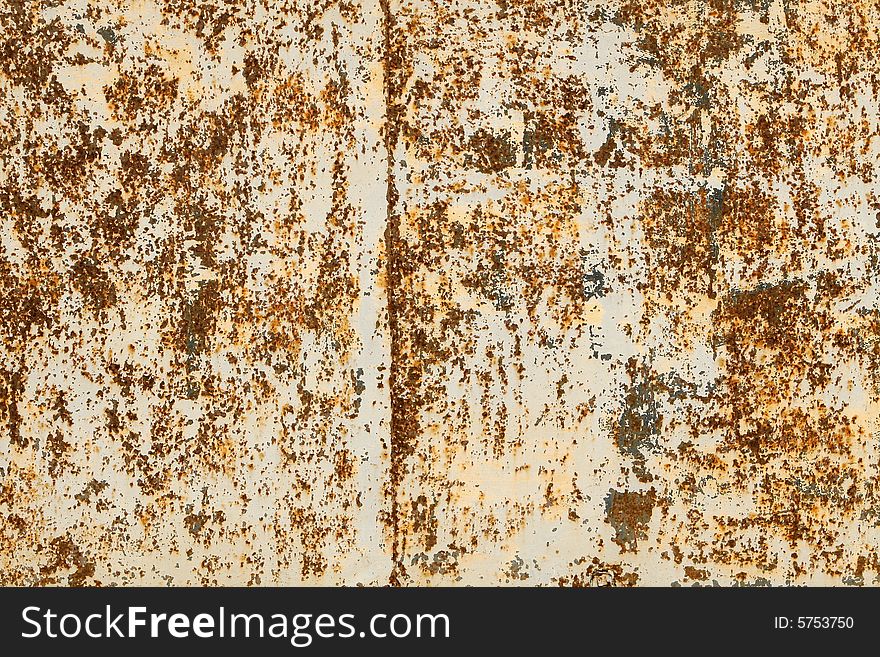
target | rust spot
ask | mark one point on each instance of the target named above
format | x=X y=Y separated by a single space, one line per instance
x=629 y=513
x=65 y=556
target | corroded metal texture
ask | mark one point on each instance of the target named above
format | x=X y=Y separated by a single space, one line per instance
x=522 y=292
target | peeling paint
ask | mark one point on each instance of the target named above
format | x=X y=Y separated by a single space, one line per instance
x=526 y=292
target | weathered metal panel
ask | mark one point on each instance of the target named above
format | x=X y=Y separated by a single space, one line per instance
x=539 y=292
x=190 y=238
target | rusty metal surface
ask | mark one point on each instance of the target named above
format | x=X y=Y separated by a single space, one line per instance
x=416 y=293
